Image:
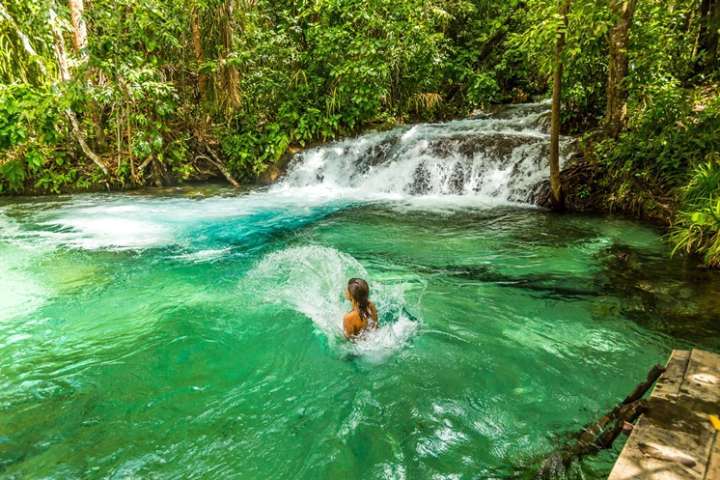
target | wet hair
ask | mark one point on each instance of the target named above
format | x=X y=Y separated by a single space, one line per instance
x=359 y=292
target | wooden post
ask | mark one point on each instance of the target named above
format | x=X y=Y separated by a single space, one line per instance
x=602 y=433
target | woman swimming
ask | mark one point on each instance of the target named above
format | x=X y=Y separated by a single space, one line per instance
x=363 y=316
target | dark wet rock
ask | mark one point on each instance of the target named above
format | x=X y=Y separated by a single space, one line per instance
x=550 y=285
x=493 y=145
x=656 y=297
x=421 y=180
x=457 y=179
x=280 y=167
x=377 y=154
x=578 y=184
x=381 y=152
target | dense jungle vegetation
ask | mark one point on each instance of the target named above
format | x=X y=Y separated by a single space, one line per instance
x=117 y=94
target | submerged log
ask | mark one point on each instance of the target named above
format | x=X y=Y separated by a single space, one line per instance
x=642 y=388
x=602 y=433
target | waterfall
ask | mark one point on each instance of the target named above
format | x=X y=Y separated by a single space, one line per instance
x=503 y=157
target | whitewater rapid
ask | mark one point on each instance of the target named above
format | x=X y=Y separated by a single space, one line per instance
x=487 y=161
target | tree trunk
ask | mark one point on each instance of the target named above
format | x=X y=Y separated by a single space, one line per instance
x=232 y=77
x=61 y=57
x=198 y=50
x=708 y=37
x=555 y=186
x=616 y=111
x=217 y=163
x=80 y=43
x=78 y=23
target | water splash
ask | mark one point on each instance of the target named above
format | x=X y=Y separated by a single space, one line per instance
x=311 y=281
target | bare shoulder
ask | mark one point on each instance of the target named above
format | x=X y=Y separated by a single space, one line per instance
x=350 y=319
x=350 y=324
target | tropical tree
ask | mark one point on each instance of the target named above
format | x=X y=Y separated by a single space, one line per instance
x=555 y=181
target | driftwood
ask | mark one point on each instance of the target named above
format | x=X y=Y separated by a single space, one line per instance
x=601 y=434
x=640 y=390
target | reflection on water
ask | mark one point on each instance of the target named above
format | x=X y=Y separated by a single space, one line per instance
x=197 y=336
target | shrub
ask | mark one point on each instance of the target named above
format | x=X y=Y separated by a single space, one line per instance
x=697 y=229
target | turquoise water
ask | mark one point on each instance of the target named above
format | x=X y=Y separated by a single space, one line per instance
x=195 y=334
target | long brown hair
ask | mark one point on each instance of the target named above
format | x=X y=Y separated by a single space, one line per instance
x=359 y=292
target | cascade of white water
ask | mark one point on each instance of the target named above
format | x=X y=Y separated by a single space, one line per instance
x=501 y=157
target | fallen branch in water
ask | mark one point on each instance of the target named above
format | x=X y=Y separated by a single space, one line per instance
x=601 y=434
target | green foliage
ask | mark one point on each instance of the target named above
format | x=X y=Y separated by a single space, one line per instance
x=697 y=229
x=30 y=128
x=268 y=75
x=672 y=150
x=671 y=134
x=704 y=182
x=25 y=42
x=483 y=90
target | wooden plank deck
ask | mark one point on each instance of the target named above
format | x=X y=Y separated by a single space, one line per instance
x=676 y=439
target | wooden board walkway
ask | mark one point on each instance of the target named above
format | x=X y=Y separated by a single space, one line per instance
x=676 y=439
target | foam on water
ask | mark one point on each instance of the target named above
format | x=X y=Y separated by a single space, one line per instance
x=108 y=231
x=125 y=222
x=20 y=292
x=311 y=280
x=202 y=256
